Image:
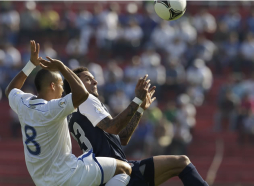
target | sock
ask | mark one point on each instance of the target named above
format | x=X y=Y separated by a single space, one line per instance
x=191 y=177
x=119 y=180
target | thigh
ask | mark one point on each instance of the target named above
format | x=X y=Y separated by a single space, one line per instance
x=108 y=166
x=167 y=166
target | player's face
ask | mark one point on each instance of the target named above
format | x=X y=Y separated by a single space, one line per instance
x=89 y=82
x=59 y=87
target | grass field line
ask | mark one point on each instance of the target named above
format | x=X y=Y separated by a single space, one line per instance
x=218 y=157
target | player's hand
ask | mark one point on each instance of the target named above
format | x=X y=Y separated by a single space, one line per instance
x=51 y=64
x=35 y=49
x=142 y=87
x=149 y=98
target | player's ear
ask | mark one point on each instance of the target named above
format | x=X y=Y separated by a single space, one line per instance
x=53 y=86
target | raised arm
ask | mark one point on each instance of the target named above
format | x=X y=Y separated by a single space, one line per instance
x=79 y=92
x=19 y=80
x=117 y=124
x=126 y=133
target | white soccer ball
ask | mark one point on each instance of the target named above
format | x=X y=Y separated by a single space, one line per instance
x=170 y=10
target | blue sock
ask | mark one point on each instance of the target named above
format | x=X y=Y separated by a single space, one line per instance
x=191 y=177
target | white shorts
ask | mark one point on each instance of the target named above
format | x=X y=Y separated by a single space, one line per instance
x=92 y=171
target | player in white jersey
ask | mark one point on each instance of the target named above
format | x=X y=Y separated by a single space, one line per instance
x=46 y=139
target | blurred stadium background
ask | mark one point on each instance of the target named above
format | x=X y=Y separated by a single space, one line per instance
x=202 y=65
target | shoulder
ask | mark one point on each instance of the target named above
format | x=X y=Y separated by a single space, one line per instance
x=91 y=101
x=19 y=93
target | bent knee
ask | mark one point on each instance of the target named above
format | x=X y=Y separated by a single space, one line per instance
x=184 y=160
x=123 y=168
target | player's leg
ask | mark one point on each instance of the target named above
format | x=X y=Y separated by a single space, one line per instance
x=166 y=167
x=115 y=172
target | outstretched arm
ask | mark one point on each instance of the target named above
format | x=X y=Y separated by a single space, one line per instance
x=126 y=133
x=118 y=123
x=19 y=80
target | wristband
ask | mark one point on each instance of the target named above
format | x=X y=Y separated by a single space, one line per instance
x=140 y=110
x=137 y=100
x=28 y=68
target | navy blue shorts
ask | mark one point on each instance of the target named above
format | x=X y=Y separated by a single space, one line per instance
x=142 y=173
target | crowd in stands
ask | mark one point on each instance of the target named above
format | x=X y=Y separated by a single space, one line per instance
x=120 y=43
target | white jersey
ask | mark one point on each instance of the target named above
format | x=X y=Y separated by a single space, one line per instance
x=46 y=139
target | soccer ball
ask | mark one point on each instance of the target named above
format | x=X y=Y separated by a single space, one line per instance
x=170 y=10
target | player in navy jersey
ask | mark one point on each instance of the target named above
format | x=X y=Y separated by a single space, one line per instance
x=94 y=128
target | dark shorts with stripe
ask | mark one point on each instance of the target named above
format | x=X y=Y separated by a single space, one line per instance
x=142 y=173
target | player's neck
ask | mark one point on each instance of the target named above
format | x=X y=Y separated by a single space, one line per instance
x=45 y=96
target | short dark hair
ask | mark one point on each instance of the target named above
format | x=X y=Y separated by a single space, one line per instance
x=43 y=78
x=77 y=71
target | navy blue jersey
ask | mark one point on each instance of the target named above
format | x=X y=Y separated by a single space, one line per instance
x=88 y=136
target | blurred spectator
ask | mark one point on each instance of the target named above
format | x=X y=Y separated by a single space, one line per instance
x=133 y=35
x=250 y=22
x=204 y=22
x=175 y=76
x=47 y=50
x=113 y=70
x=149 y=22
x=107 y=29
x=185 y=120
x=233 y=19
x=73 y=47
x=245 y=118
x=144 y=136
x=177 y=48
x=247 y=51
x=149 y=57
x=49 y=18
x=162 y=35
x=205 y=48
x=118 y=102
x=221 y=34
x=200 y=75
x=131 y=14
x=231 y=50
x=85 y=35
x=185 y=115
x=135 y=70
x=186 y=31
x=163 y=136
x=29 y=18
x=83 y=18
x=9 y=21
x=68 y=20
x=114 y=77
x=196 y=95
x=12 y=56
x=157 y=73
x=170 y=112
x=132 y=73
x=226 y=110
x=247 y=130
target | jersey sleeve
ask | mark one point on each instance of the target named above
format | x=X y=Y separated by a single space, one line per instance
x=61 y=108
x=15 y=97
x=93 y=110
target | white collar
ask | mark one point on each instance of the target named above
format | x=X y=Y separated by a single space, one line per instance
x=37 y=102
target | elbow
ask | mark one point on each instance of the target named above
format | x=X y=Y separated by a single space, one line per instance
x=112 y=131
x=124 y=142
